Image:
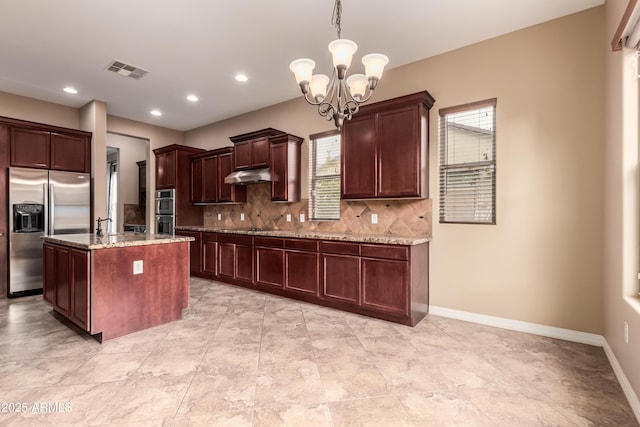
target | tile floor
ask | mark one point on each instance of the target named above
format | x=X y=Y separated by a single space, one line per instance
x=243 y=358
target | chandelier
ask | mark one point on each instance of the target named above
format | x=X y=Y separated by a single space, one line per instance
x=339 y=98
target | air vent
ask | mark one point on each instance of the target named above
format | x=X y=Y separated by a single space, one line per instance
x=126 y=70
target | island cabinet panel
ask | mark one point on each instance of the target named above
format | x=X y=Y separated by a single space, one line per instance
x=124 y=302
x=209 y=255
x=67 y=282
x=195 y=250
x=385 y=148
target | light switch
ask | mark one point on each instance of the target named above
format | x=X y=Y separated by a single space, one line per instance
x=242 y=216
x=288 y=217
x=137 y=267
x=301 y=217
x=219 y=217
x=374 y=218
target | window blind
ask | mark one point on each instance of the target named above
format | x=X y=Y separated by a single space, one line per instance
x=324 y=177
x=468 y=163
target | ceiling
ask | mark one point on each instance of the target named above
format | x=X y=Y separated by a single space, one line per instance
x=198 y=46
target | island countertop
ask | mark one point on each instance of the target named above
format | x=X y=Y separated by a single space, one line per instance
x=389 y=239
x=116 y=240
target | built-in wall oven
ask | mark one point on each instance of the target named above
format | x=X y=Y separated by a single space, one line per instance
x=165 y=211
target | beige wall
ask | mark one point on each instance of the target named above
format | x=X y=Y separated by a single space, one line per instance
x=621 y=223
x=19 y=107
x=541 y=263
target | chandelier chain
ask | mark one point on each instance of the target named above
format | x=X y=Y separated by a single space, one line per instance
x=337 y=17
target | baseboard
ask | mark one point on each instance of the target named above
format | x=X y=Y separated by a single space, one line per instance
x=624 y=382
x=517 y=325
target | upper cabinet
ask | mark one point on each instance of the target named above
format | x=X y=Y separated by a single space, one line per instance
x=46 y=147
x=285 y=168
x=252 y=149
x=208 y=171
x=385 y=148
x=165 y=169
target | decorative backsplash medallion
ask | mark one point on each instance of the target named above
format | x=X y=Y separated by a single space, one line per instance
x=401 y=217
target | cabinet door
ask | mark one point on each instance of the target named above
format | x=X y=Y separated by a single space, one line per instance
x=341 y=278
x=399 y=153
x=196 y=181
x=279 y=177
x=226 y=260
x=79 y=310
x=229 y=192
x=29 y=148
x=62 y=295
x=195 y=250
x=385 y=285
x=270 y=267
x=358 y=174
x=242 y=155
x=166 y=170
x=209 y=256
x=301 y=272
x=244 y=263
x=49 y=277
x=210 y=179
x=70 y=153
x=260 y=152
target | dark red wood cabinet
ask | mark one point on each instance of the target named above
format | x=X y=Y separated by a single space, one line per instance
x=195 y=250
x=67 y=282
x=269 y=262
x=385 y=148
x=252 y=154
x=341 y=272
x=235 y=258
x=142 y=182
x=285 y=168
x=209 y=255
x=40 y=147
x=173 y=171
x=208 y=171
x=4 y=201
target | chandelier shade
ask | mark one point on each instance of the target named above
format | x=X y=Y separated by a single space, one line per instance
x=339 y=97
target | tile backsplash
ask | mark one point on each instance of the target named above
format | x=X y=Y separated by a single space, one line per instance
x=400 y=217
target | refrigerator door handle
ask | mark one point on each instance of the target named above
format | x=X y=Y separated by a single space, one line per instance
x=52 y=206
x=45 y=195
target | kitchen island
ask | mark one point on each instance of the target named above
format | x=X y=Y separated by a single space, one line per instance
x=119 y=283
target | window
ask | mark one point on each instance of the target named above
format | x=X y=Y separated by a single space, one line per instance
x=324 y=176
x=468 y=163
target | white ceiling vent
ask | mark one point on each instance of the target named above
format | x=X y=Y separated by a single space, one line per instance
x=126 y=70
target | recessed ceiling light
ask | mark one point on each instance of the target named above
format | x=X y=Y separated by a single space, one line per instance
x=241 y=78
x=156 y=113
x=192 y=98
x=70 y=90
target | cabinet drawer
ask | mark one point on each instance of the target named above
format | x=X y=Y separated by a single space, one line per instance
x=270 y=242
x=239 y=239
x=340 y=248
x=209 y=237
x=385 y=251
x=301 y=245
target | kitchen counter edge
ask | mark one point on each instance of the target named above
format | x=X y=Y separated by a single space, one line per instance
x=119 y=240
x=318 y=235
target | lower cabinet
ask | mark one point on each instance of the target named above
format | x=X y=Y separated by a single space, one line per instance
x=67 y=283
x=379 y=280
x=195 y=251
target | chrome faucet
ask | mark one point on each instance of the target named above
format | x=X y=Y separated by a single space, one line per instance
x=99 y=229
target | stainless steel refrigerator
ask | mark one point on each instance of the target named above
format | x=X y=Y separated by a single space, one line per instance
x=42 y=202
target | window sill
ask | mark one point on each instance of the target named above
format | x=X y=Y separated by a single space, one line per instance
x=634 y=302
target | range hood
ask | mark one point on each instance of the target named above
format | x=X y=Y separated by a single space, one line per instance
x=250 y=176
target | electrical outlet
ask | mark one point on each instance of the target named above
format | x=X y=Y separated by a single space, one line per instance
x=242 y=216
x=137 y=267
x=626 y=333
x=219 y=217
x=374 y=218
x=301 y=217
x=288 y=217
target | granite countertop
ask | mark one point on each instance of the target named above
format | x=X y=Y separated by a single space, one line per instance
x=113 y=240
x=389 y=239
